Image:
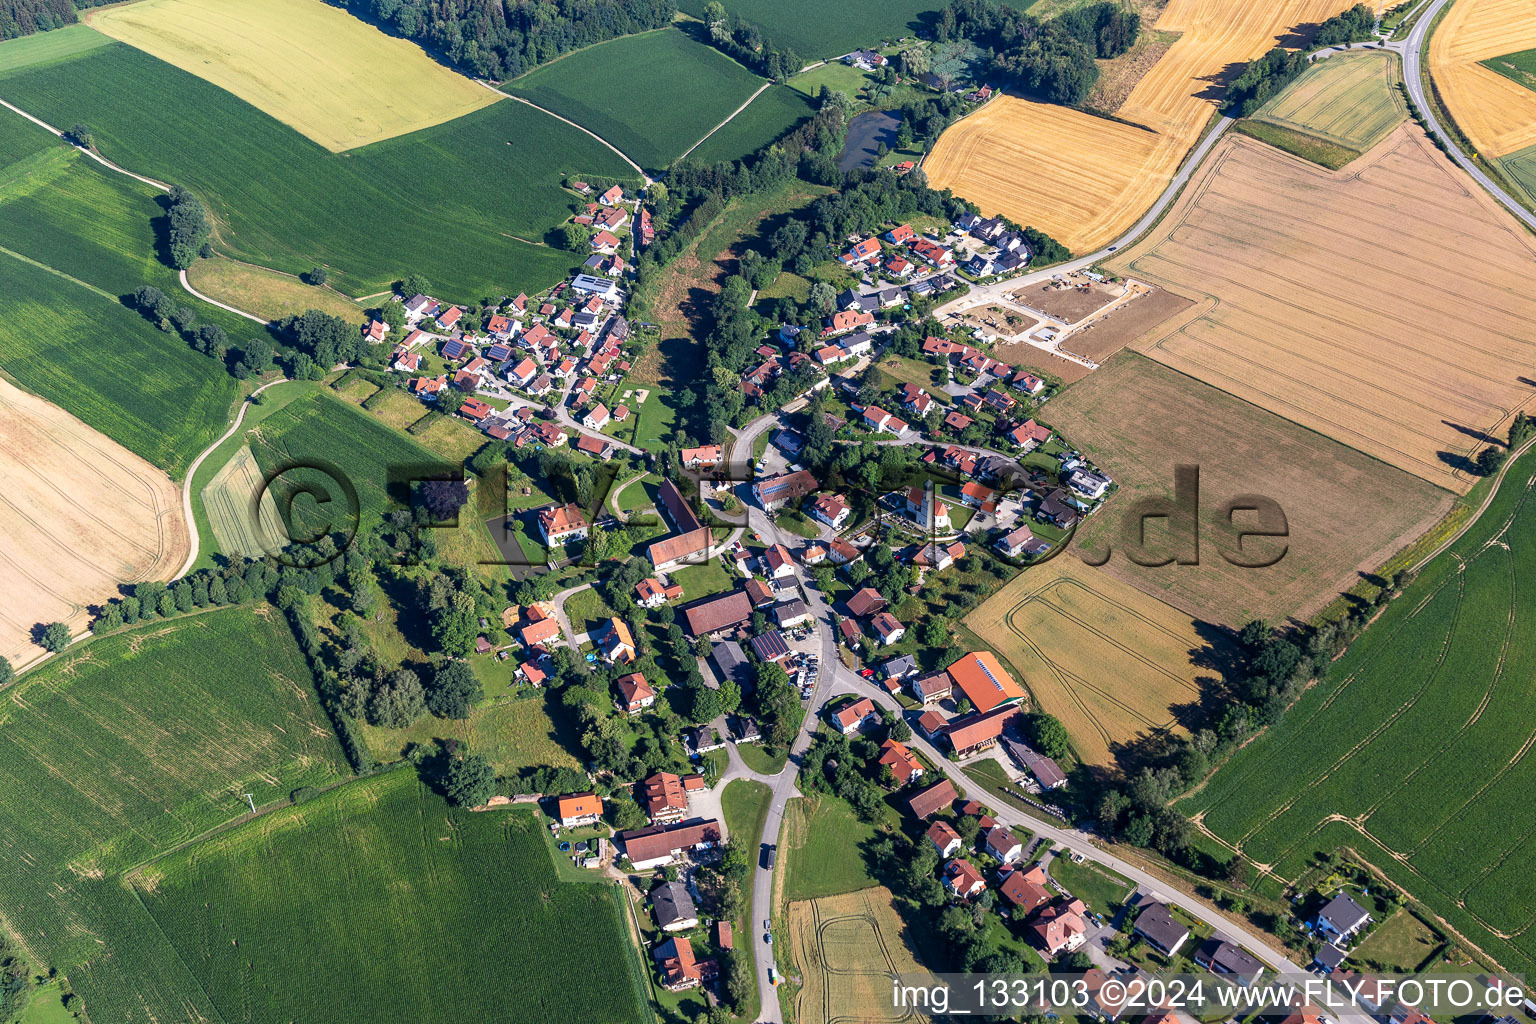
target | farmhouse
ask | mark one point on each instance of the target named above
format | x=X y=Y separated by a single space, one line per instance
x=979 y=731
x=673 y=907
x=717 y=614
x=932 y=688
x=932 y=725
x=579 y=809
x=925 y=803
x=562 y=524
x=984 y=681
x=664 y=797
x=656 y=845
x=679 y=970
x=774 y=492
x=778 y=563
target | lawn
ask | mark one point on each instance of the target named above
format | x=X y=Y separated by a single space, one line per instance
x=898 y=370
x=745 y=805
x=587 y=610
x=653 y=95
x=1401 y=943
x=267 y=293
x=378 y=902
x=1413 y=747
x=1101 y=889
x=815 y=30
x=435 y=202
x=822 y=844
x=759 y=760
x=703 y=580
x=136 y=743
x=770 y=117
x=316 y=68
x=322 y=442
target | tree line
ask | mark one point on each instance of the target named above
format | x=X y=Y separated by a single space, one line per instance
x=1053 y=59
x=501 y=39
x=1267 y=75
x=745 y=43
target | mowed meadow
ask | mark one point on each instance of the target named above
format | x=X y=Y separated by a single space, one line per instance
x=652 y=95
x=463 y=202
x=1415 y=749
x=112 y=754
x=378 y=902
x=1328 y=298
x=331 y=76
x=1085 y=179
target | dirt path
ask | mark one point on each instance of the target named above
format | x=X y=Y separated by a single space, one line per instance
x=727 y=121
x=621 y=154
x=215 y=302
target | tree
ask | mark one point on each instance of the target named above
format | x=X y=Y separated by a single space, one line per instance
x=398 y=701
x=190 y=228
x=901 y=731
x=7 y=673
x=414 y=284
x=821 y=297
x=454 y=689
x=53 y=637
x=1490 y=459
x=575 y=237
x=80 y=135
x=1048 y=734
x=455 y=630
x=471 y=781
x=318 y=276
x=442 y=499
x=704 y=704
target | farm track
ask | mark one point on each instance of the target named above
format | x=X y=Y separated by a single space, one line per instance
x=619 y=152
x=722 y=124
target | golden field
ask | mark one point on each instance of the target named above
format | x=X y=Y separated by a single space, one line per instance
x=314 y=67
x=1392 y=308
x=1496 y=114
x=1085 y=179
x=847 y=948
x=1108 y=660
x=81 y=514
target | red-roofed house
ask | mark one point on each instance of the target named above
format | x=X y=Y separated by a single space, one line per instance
x=612 y=196
x=903 y=763
x=449 y=317
x=962 y=879
x=900 y=235
x=855 y=716
x=635 y=695
x=562 y=524
x=652 y=593
x=861 y=252
x=944 y=838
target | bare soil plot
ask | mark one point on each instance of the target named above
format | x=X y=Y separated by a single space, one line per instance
x=79 y=514
x=1392 y=307
x=1069 y=300
x=1124 y=324
x=1026 y=355
x=1111 y=662
x=847 y=947
x=1349 y=99
x=322 y=72
x=1084 y=179
x=1496 y=113
x=1344 y=511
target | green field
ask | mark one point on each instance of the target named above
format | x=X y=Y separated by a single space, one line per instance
x=1520 y=167
x=769 y=117
x=1100 y=888
x=652 y=95
x=1309 y=147
x=325 y=430
x=451 y=202
x=1349 y=100
x=815 y=30
x=378 y=902
x=820 y=850
x=1415 y=748
x=1517 y=67
x=140 y=742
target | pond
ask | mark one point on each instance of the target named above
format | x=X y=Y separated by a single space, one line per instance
x=865 y=134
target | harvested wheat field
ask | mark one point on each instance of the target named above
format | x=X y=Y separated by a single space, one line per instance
x=79 y=514
x=1345 y=512
x=1086 y=179
x=1392 y=308
x=847 y=947
x=1111 y=662
x=1497 y=114
x=242 y=511
x=317 y=69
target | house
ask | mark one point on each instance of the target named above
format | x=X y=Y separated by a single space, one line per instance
x=897 y=266
x=916 y=400
x=427 y=387
x=407 y=362
x=539 y=632
x=847 y=320
x=616 y=643
x=1088 y=484
x=890 y=298
x=944 y=839
x=1046 y=772
x=938 y=557
x=652 y=593
x=1055 y=510
x=745 y=730
x=1157 y=926
x=791 y=614
x=523 y=373
x=611 y=197
x=1030 y=435
x=717 y=614
x=774 y=492
x=375 y=331
x=896 y=669
x=702 y=739
x=1341 y=919
x=1001 y=844
x=596 y=417
x=887 y=628
x=932 y=725
x=962 y=879
x=855 y=717
x=474 y=410
x=866 y=602
x=562 y=524
x=421 y=306
x=852 y=635
x=663 y=797
x=1026 y=891
x=984 y=681
x=705 y=457
x=1059 y=928
x=861 y=252
x=647 y=229
x=876 y=418
x=899 y=758
x=932 y=688
x=1021 y=542
x=674 y=960
x=860 y=344
x=449 y=317
x=579 y=809
x=455 y=349
x=673 y=907
x=831 y=509
x=900 y=235
x=602 y=287
x=925 y=803
x=656 y=845
x=778 y=563
x=933 y=253
x=760 y=593
x=1027 y=383
x=842 y=553
x=973 y=733
x=598 y=448
x=976 y=496
x=1328 y=958
x=1219 y=956
x=635 y=694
